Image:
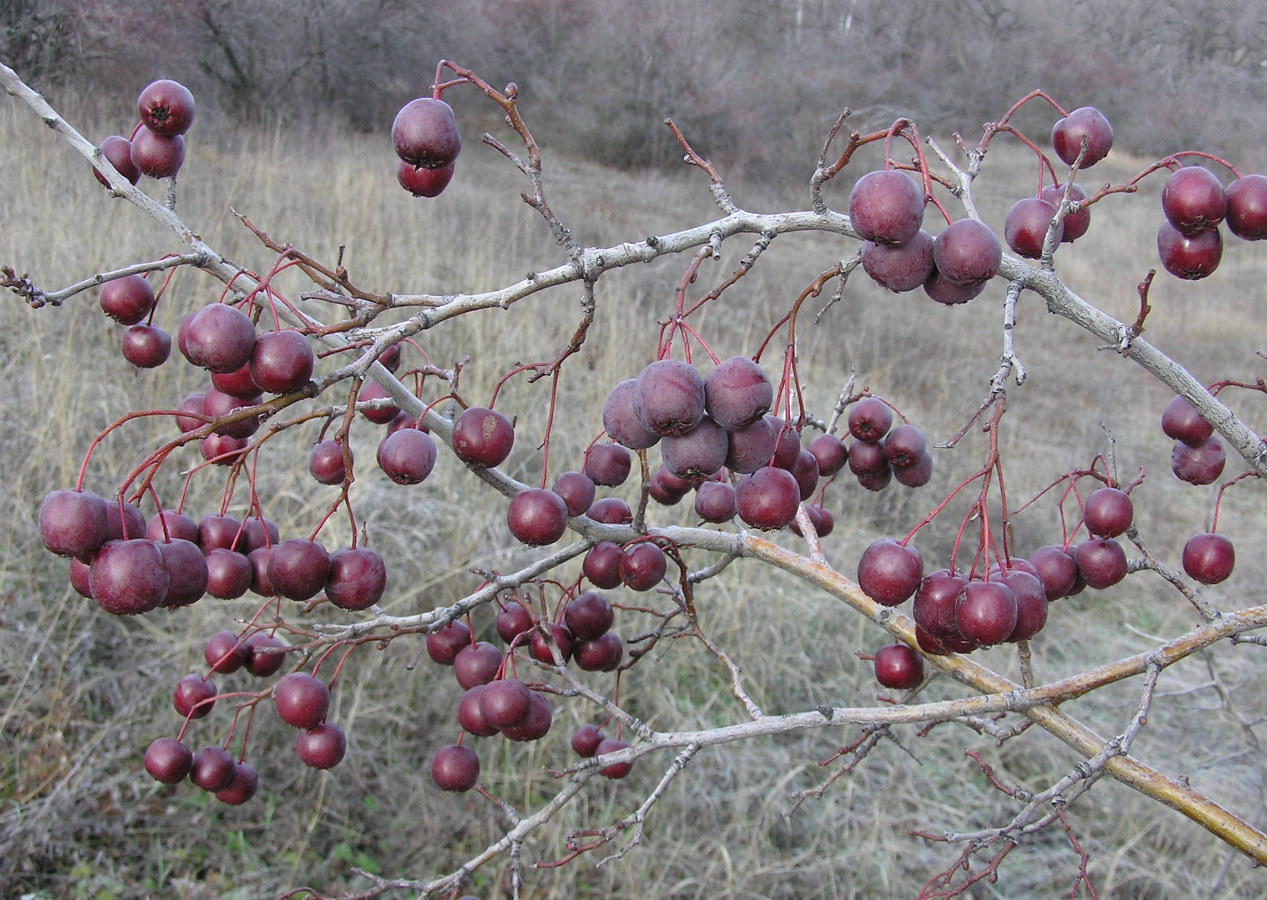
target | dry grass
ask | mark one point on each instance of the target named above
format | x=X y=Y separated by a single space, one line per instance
x=85 y=693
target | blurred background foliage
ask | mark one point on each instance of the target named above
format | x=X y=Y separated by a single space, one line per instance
x=755 y=82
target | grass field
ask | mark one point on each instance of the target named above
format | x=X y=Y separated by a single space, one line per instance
x=84 y=693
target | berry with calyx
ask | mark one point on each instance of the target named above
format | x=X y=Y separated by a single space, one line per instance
x=155 y=155
x=246 y=781
x=168 y=760
x=482 y=437
x=407 y=456
x=1067 y=135
x=985 y=612
x=219 y=337
x=1247 y=207
x=886 y=206
x=668 y=397
x=1107 y=512
x=455 y=768
x=118 y=152
x=301 y=701
x=889 y=571
x=1181 y=421
x=146 y=346
x=967 y=252
x=166 y=107
x=608 y=464
x=322 y=746
x=1193 y=200
x=904 y=446
x=1198 y=463
x=1189 y=257
x=737 y=392
x=282 y=361
x=73 y=523
x=192 y=697
x=900 y=267
x=899 y=667
x=326 y=463
x=1076 y=223
x=537 y=517
x=423 y=182
x=213 y=769
x=869 y=419
x=127 y=300
x=642 y=567
x=1026 y=225
x=696 y=453
x=1208 y=558
x=425 y=133
x=613 y=770
x=127 y=577
x=917 y=474
x=1101 y=562
x=357 y=578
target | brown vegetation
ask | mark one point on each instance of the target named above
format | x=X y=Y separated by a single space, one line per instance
x=89 y=692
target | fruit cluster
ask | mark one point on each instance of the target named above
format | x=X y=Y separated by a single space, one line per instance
x=1195 y=203
x=708 y=427
x=886 y=208
x=156 y=149
x=956 y=612
x=496 y=702
x=157 y=145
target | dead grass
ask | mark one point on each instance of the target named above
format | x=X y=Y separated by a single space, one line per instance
x=84 y=693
